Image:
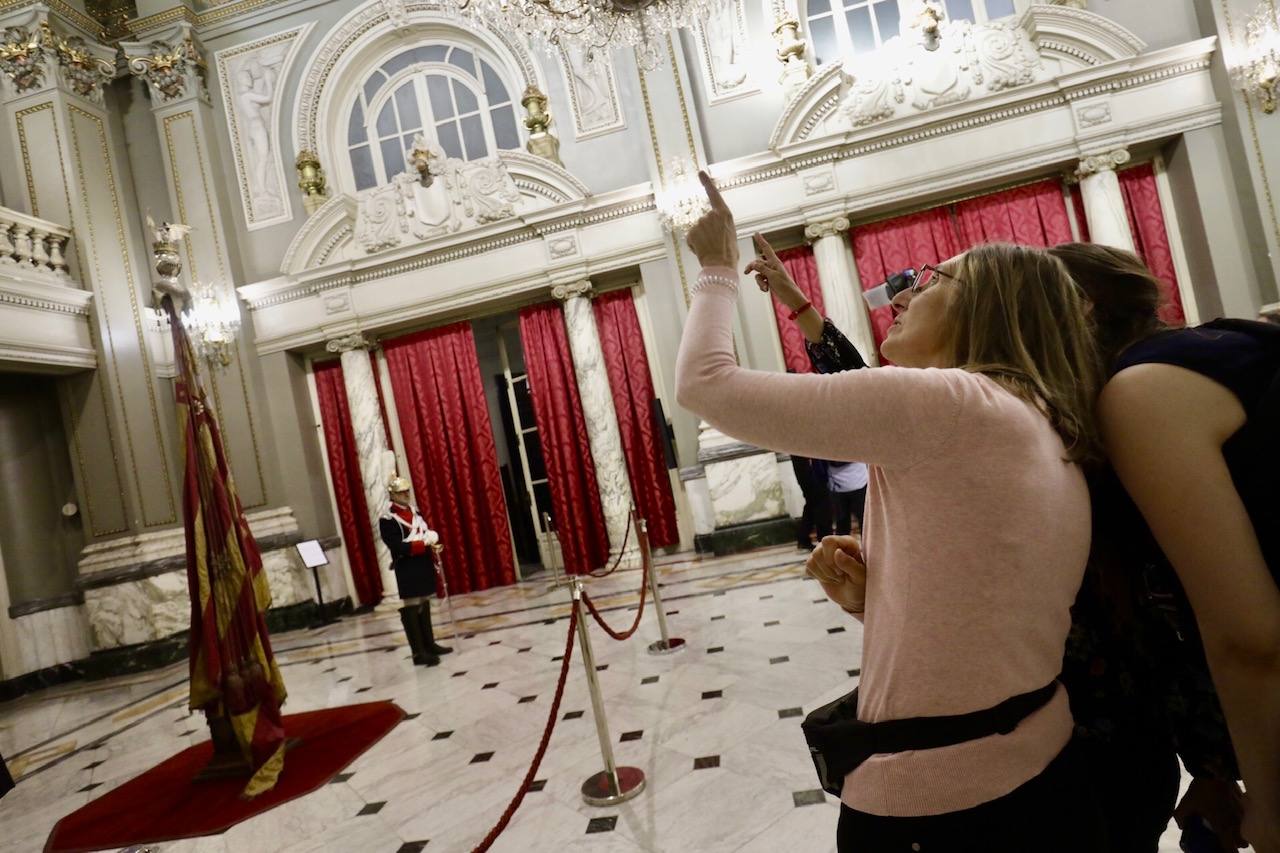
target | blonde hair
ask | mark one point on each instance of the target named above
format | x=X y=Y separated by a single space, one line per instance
x=1021 y=319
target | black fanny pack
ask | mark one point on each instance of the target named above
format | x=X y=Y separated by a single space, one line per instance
x=839 y=742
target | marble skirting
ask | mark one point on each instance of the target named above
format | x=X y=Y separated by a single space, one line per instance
x=47 y=638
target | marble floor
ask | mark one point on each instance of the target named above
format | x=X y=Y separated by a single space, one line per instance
x=715 y=728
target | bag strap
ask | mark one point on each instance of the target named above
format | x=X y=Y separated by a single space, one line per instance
x=948 y=730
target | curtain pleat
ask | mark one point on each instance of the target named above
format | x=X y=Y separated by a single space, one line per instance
x=803 y=268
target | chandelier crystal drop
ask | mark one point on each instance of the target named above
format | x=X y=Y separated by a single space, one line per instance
x=681 y=201
x=212 y=320
x=1257 y=73
x=597 y=26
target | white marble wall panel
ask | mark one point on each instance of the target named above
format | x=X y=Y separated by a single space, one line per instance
x=704 y=517
x=792 y=497
x=290 y=581
x=745 y=489
x=138 y=611
x=50 y=637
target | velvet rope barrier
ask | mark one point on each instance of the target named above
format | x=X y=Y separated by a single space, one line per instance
x=644 y=588
x=542 y=745
x=626 y=539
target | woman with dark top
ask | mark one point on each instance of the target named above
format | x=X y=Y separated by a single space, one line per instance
x=973 y=445
x=1190 y=418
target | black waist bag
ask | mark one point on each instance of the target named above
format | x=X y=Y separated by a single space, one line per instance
x=839 y=742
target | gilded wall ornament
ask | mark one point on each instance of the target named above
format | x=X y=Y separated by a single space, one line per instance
x=22 y=58
x=168 y=67
x=82 y=70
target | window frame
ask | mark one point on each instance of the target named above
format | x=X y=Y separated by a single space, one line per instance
x=417 y=73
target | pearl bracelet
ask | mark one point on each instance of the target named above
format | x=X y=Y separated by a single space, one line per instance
x=707 y=279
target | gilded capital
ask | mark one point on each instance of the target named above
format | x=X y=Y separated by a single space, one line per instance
x=36 y=54
x=173 y=65
x=565 y=292
x=830 y=228
x=347 y=343
x=1106 y=162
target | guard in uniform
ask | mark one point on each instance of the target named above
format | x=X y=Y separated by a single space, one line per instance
x=413 y=547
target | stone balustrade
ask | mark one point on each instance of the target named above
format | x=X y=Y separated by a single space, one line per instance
x=33 y=244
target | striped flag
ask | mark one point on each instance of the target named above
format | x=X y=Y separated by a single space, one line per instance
x=234 y=676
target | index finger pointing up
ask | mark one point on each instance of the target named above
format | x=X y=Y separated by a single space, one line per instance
x=765 y=249
x=713 y=193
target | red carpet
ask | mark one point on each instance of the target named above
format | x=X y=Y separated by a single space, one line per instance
x=163 y=803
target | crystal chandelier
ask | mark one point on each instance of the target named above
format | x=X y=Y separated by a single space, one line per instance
x=597 y=25
x=682 y=200
x=212 y=319
x=1258 y=73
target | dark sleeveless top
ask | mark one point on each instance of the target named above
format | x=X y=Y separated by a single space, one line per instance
x=1135 y=665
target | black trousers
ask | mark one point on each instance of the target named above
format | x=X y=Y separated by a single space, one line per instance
x=816 y=516
x=1056 y=812
x=848 y=506
x=1136 y=780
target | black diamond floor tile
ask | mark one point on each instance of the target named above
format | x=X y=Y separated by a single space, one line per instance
x=442 y=735
x=490 y=685
x=601 y=667
x=649 y=679
x=524 y=700
x=809 y=798
x=494 y=642
x=412 y=716
x=482 y=757
x=672 y=612
x=371 y=808
x=717 y=618
x=782 y=659
x=411 y=847
x=838 y=630
x=345 y=678
x=714 y=649
x=460 y=673
x=340 y=778
x=853 y=673
x=712 y=694
x=706 y=762
x=557 y=657
x=790 y=712
x=548 y=621
x=537 y=784
x=93 y=765
x=364 y=689
x=819 y=600
x=771 y=623
x=572 y=715
x=628 y=736
x=89 y=787
x=766 y=597
x=602 y=824
x=330 y=669
x=525 y=649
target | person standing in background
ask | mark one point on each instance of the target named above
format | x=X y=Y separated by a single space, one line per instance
x=413 y=546
x=811 y=476
x=848 y=484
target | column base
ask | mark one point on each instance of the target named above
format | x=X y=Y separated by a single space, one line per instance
x=737 y=538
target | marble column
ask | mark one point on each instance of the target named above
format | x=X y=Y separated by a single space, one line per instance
x=371 y=440
x=602 y=421
x=841 y=286
x=1103 y=200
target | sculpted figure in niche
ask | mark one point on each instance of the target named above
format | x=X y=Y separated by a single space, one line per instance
x=724 y=44
x=255 y=89
x=593 y=88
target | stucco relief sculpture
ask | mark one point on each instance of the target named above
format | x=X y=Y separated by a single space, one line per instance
x=30 y=52
x=22 y=58
x=169 y=68
x=461 y=194
x=250 y=77
x=594 y=96
x=968 y=61
x=724 y=40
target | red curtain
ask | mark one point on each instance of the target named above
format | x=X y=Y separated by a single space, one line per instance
x=562 y=429
x=1150 y=239
x=348 y=487
x=892 y=245
x=1032 y=215
x=803 y=268
x=632 y=386
x=1077 y=205
x=453 y=462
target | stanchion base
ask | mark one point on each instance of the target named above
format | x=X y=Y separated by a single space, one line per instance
x=598 y=790
x=666 y=647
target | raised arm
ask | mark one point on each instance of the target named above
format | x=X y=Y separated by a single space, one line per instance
x=892 y=416
x=1164 y=427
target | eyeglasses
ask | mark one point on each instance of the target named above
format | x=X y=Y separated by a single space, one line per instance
x=925 y=277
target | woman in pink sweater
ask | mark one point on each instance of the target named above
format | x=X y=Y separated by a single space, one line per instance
x=975 y=537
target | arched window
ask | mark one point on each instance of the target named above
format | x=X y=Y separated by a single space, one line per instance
x=448 y=93
x=843 y=27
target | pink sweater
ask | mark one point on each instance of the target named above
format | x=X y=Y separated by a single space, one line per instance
x=975 y=539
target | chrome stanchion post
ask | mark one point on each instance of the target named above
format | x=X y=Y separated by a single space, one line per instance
x=614 y=784
x=554 y=555
x=448 y=600
x=668 y=643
